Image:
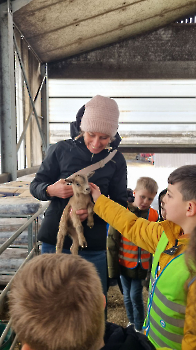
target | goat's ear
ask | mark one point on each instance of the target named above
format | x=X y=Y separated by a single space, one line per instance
x=69 y=180
x=90 y=174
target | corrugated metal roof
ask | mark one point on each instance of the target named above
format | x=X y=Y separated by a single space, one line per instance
x=59 y=29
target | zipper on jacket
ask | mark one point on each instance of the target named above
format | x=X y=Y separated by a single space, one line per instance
x=139 y=256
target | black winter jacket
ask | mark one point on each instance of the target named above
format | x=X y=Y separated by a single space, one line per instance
x=119 y=338
x=65 y=158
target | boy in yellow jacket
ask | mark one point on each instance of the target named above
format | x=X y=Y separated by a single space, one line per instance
x=171 y=315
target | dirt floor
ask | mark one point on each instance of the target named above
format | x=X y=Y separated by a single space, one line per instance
x=115 y=306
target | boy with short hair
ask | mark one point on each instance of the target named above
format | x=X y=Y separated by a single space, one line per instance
x=134 y=262
x=57 y=303
x=171 y=312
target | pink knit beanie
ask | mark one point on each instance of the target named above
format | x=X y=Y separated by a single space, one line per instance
x=101 y=115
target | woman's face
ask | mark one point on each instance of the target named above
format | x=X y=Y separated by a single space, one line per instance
x=95 y=141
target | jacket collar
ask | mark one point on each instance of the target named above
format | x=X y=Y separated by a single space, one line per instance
x=172 y=230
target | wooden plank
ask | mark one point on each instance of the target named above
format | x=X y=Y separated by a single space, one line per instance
x=25 y=193
x=19 y=206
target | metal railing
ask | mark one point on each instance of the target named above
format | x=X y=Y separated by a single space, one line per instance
x=33 y=249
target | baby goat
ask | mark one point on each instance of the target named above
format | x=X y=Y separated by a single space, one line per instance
x=72 y=225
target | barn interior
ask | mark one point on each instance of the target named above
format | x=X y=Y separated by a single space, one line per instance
x=54 y=56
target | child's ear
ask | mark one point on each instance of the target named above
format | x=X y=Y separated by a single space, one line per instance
x=191 y=208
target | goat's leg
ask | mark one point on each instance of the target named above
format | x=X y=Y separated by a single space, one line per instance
x=75 y=242
x=63 y=229
x=90 y=221
x=79 y=229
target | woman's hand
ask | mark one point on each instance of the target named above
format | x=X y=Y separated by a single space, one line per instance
x=60 y=189
x=83 y=214
x=95 y=191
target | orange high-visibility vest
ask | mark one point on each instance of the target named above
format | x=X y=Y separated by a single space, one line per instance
x=131 y=255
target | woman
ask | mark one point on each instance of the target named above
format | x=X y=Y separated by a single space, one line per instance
x=94 y=130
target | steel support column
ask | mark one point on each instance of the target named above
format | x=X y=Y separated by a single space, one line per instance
x=7 y=94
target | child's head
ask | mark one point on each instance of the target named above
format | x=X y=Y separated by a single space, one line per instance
x=180 y=200
x=162 y=212
x=56 y=302
x=144 y=193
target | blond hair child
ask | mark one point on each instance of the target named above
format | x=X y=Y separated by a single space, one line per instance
x=56 y=303
x=134 y=263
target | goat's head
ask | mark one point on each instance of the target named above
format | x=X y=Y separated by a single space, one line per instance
x=80 y=183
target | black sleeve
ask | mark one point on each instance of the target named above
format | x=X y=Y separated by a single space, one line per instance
x=47 y=174
x=118 y=184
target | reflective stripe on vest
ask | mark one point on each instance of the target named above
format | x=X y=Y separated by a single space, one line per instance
x=130 y=254
x=167 y=302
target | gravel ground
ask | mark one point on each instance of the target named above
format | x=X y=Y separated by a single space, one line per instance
x=115 y=306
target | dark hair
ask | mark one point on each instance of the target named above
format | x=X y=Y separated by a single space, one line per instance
x=186 y=177
x=130 y=195
x=161 y=195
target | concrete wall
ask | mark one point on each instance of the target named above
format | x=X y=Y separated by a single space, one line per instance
x=167 y=53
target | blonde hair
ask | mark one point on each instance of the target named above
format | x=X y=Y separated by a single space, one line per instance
x=148 y=184
x=56 y=302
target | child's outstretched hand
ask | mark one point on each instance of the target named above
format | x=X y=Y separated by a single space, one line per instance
x=95 y=191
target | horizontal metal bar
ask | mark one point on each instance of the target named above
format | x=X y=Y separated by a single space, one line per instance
x=139 y=123
x=157 y=123
x=27 y=171
x=166 y=148
x=6 y=177
x=13 y=216
x=19 y=246
x=123 y=97
x=9 y=273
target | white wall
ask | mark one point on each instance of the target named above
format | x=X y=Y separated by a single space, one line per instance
x=173 y=160
x=151 y=111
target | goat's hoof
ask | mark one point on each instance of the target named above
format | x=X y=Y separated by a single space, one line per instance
x=84 y=244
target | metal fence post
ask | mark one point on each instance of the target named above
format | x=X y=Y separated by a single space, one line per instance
x=30 y=235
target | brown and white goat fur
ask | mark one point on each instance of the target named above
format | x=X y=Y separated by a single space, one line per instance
x=71 y=224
